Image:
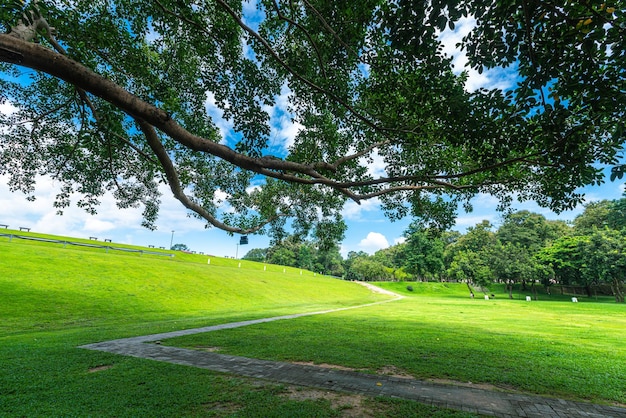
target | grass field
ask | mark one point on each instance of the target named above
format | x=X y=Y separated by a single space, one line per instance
x=55 y=299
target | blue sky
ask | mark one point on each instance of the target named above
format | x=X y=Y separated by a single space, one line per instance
x=368 y=229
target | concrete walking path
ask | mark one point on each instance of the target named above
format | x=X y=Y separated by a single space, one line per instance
x=481 y=401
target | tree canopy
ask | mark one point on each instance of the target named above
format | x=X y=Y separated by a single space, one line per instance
x=123 y=95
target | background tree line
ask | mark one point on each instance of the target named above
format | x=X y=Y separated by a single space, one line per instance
x=527 y=250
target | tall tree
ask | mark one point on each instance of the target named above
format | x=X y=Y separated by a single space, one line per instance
x=121 y=95
x=526 y=229
x=595 y=216
x=424 y=252
x=565 y=257
x=604 y=257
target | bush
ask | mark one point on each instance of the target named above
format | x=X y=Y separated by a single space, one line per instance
x=409 y=288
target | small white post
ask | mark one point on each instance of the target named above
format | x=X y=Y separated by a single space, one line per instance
x=208 y=261
x=264 y=268
x=486 y=297
x=527 y=298
x=239 y=265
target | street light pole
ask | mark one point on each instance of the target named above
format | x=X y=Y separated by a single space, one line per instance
x=172 y=240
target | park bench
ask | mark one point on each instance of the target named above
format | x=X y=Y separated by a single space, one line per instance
x=23 y=228
x=93 y=238
x=4 y=226
x=107 y=240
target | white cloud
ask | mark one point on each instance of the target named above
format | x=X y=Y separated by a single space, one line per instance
x=96 y=225
x=377 y=166
x=283 y=129
x=220 y=197
x=373 y=242
x=399 y=240
x=463 y=222
x=217 y=114
x=7 y=108
x=353 y=211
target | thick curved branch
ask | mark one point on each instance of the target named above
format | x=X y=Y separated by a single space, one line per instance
x=17 y=51
x=34 y=56
x=177 y=189
x=413 y=188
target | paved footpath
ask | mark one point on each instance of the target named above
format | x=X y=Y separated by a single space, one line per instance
x=481 y=401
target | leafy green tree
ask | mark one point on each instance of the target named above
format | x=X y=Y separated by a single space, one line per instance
x=368 y=269
x=305 y=257
x=349 y=261
x=617 y=216
x=564 y=256
x=179 y=247
x=471 y=267
x=122 y=95
x=511 y=264
x=424 y=252
x=393 y=258
x=281 y=255
x=256 y=254
x=595 y=216
x=604 y=258
x=329 y=261
x=477 y=239
x=528 y=230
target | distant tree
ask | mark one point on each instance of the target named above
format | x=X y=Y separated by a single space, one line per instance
x=393 y=258
x=369 y=270
x=179 y=247
x=305 y=256
x=281 y=255
x=349 y=262
x=511 y=264
x=476 y=240
x=329 y=261
x=595 y=216
x=604 y=258
x=526 y=229
x=472 y=267
x=256 y=254
x=423 y=252
x=564 y=256
x=617 y=216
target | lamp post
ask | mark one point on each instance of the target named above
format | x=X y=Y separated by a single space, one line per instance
x=172 y=240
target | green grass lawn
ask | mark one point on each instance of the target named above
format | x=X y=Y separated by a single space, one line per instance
x=557 y=348
x=55 y=299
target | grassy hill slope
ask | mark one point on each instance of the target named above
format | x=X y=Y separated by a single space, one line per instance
x=56 y=297
x=47 y=285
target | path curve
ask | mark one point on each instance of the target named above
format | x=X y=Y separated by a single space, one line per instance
x=475 y=400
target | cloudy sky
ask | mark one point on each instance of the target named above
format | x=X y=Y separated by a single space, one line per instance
x=368 y=229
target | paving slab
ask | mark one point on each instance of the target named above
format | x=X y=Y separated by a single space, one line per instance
x=463 y=398
x=486 y=402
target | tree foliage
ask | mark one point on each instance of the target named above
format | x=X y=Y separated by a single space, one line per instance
x=123 y=95
x=179 y=247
